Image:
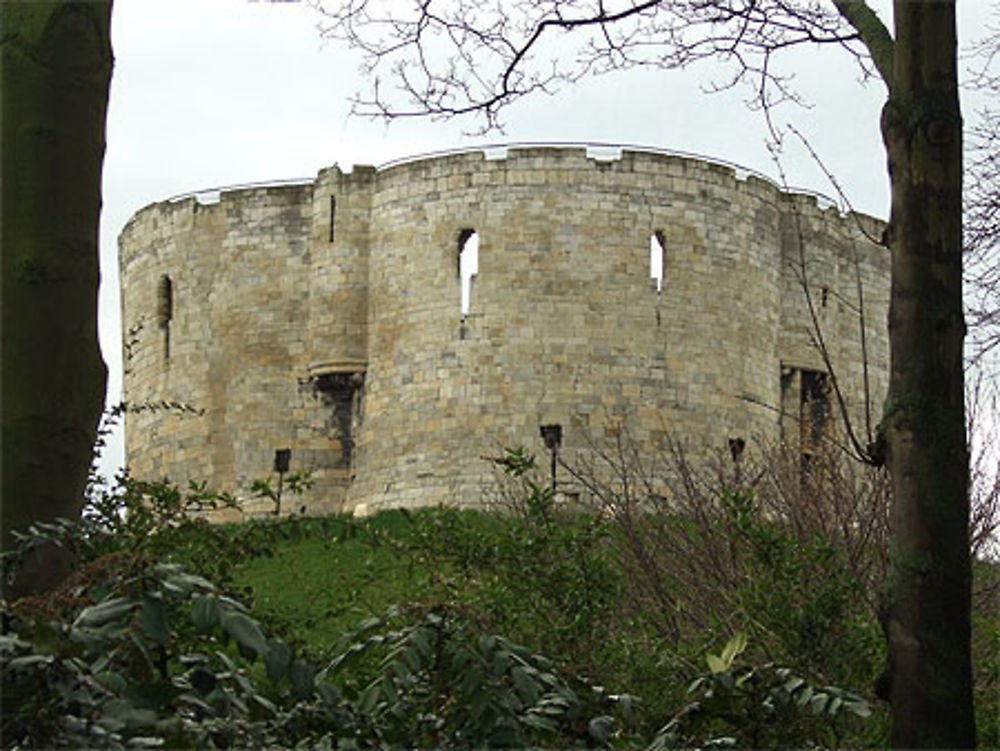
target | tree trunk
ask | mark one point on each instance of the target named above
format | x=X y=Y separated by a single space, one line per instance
x=927 y=603
x=56 y=73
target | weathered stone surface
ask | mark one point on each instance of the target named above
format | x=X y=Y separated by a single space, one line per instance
x=347 y=345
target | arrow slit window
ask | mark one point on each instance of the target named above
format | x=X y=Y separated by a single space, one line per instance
x=165 y=311
x=468 y=267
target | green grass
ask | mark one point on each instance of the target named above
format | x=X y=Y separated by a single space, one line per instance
x=556 y=588
x=320 y=584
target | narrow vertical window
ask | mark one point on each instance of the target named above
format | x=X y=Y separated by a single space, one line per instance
x=468 y=266
x=656 y=257
x=165 y=310
x=333 y=215
x=656 y=263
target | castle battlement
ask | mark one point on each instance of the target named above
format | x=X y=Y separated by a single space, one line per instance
x=328 y=317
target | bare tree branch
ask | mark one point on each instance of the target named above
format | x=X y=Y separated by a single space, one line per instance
x=982 y=207
x=873 y=33
x=475 y=57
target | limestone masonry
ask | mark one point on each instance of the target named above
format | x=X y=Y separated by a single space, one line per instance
x=325 y=317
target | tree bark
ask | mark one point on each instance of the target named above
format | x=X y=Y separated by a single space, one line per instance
x=927 y=606
x=56 y=74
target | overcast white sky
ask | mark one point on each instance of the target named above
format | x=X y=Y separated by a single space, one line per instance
x=209 y=93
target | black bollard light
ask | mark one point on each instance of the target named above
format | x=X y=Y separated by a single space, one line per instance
x=282 y=460
x=552 y=435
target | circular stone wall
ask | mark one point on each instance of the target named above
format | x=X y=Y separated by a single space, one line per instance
x=326 y=318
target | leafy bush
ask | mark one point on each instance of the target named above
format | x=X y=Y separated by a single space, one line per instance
x=792 y=558
x=132 y=652
x=162 y=521
x=136 y=652
x=536 y=569
x=758 y=706
x=443 y=682
x=146 y=646
x=550 y=575
x=801 y=592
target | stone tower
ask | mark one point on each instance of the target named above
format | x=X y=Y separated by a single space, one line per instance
x=325 y=317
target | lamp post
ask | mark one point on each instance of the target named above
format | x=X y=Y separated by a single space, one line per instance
x=282 y=460
x=552 y=435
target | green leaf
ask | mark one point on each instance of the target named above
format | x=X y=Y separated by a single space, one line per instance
x=412 y=657
x=143 y=647
x=225 y=660
x=422 y=640
x=303 y=678
x=368 y=699
x=195 y=701
x=277 y=659
x=97 y=640
x=205 y=612
x=600 y=728
x=538 y=722
x=402 y=670
x=114 y=682
x=119 y=713
x=153 y=620
x=524 y=686
x=734 y=648
x=860 y=708
x=104 y=612
x=10 y=643
x=726 y=680
x=480 y=703
x=231 y=604
x=792 y=684
x=28 y=662
x=499 y=664
x=245 y=631
x=715 y=663
x=819 y=702
x=627 y=703
x=805 y=696
x=246 y=686
x=472 y=681
x=329 y=693
x=265 y=703
x=389 y=689
x=184 y=583
x=554 y=706
x=370 y=623
x=139 y=741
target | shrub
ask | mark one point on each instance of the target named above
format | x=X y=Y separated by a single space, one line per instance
x=758 y=706
x=792 y=557
x=136 y=652
x=133 y=652
x=441 y=681
x=536 y=569
x=705 y=549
